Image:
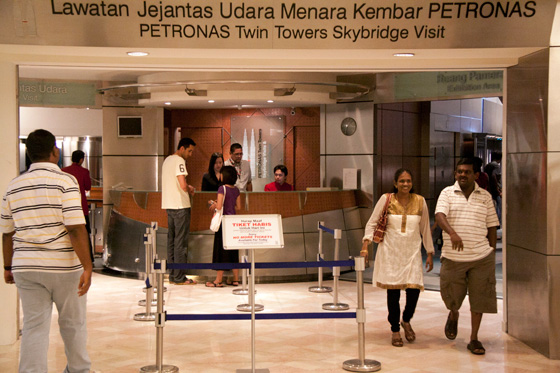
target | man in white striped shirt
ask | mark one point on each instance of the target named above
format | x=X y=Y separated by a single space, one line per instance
x=46 y=254
x=466 y=214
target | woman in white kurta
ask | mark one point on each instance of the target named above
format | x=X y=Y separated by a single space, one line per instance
x=398 y=262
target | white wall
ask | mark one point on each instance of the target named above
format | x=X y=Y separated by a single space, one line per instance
x=62 y=121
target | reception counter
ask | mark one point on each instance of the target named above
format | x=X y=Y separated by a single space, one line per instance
x=133 y=211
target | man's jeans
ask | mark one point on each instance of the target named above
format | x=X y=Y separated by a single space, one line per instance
x=178 y=224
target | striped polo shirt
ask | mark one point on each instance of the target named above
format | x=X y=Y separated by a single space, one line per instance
x=470 y=218
x=37 y=206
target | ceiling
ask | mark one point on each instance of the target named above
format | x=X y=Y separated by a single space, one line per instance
x=261 y=71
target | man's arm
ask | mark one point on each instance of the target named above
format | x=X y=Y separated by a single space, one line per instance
x=183 y=184
x=8 y=253
x=456 y=241
x=249 y=187
x=493 y=236
x=79 y=238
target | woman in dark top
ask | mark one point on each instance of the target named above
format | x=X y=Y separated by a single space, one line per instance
x=213 y=179
x=230 y=203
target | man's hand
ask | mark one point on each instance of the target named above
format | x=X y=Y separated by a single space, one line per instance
x=191 y=190
x=456 y=242
x=8 y=277
x=85 y=283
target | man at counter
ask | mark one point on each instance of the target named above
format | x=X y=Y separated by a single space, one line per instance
x=84 y=181
x=243 y=168
x=176 y=201
x=279 y=184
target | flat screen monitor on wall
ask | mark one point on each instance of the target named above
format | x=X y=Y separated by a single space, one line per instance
x=129 y=126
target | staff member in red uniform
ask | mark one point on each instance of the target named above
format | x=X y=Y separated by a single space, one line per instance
x=84 y=181
x=279 y=184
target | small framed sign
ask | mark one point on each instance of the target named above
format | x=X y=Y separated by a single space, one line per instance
x=252 y=232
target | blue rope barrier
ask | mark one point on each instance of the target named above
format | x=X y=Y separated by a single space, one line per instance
x=148 y=282
x=262 y=316
x=225 y=266
x=328 y=230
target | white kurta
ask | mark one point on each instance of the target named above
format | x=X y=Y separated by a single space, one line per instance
x=398 y=262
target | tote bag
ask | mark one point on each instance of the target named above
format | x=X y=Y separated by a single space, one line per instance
x=217 y=218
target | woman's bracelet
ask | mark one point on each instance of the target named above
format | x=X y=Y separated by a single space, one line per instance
x=363 y=251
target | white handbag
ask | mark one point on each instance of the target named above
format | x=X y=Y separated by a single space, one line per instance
x=217 y=218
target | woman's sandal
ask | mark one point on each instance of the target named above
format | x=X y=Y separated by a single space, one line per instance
x=396 y=340
x=214 y=285
x=476 y=347
x=408 y=332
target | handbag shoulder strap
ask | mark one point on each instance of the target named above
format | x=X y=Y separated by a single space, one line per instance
x=387 y=201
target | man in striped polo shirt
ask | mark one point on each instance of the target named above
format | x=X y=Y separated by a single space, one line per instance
x=466 y=214
x=46 y=254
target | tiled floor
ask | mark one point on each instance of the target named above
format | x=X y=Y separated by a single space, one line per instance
x=117 y=343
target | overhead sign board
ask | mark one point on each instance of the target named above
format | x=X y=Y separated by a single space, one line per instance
x=278 y=24
x=56 y=93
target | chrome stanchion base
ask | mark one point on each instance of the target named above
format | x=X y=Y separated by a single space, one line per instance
x=320 y=289
x=251 y=370
x=335 y=306
x=142 y=302
x=247 y=307
x=164 y=369
x=155 y=289
x=145 y=316
x=355 y=365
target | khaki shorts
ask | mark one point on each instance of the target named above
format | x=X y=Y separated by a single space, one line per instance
x=478 y=278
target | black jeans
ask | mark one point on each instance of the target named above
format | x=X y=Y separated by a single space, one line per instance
x=393 y=297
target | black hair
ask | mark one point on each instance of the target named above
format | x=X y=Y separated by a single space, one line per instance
x=496 y=156
x=467 y=161
x=229 y=175
x=398 y=173
x=477 y=165
x=77 y=155
x=185 y=143
x=213 y=158
x=234 y=146
x=39 y=145
x=282 y=168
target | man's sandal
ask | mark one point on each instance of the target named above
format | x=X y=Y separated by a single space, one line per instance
x=451 y=327
x=476 y=347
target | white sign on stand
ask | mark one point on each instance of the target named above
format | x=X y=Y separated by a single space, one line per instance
x=250 y=232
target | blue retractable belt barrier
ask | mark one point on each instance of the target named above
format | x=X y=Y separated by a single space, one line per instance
x=263 y=316
x=328 y=230
x=225 y=266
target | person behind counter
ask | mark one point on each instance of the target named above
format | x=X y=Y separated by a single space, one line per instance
x=230 y=203
x=279 y=184
x=243 y=168
x=212 y=180
x=398 y=262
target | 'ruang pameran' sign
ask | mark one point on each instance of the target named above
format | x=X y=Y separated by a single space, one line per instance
x=277 y=24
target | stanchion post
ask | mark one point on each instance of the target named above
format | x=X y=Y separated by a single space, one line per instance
x=361 y=364
x=160 y=323
x=320 y=288
x=335 y=306
x=148 y=315
x=243 y=291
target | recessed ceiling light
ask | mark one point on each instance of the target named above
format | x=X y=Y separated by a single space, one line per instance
x=167 y=103
x=137 y=54
x=270 y=101
x=403 y=54
x=211 y=101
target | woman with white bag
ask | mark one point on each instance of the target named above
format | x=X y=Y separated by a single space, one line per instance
x=228 y=201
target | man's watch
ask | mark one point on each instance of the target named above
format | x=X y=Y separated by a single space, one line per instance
x=7 y=268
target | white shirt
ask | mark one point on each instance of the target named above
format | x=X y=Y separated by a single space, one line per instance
x=38 y=206
x=243 y=173
x=172 y=196
x=470 y=219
